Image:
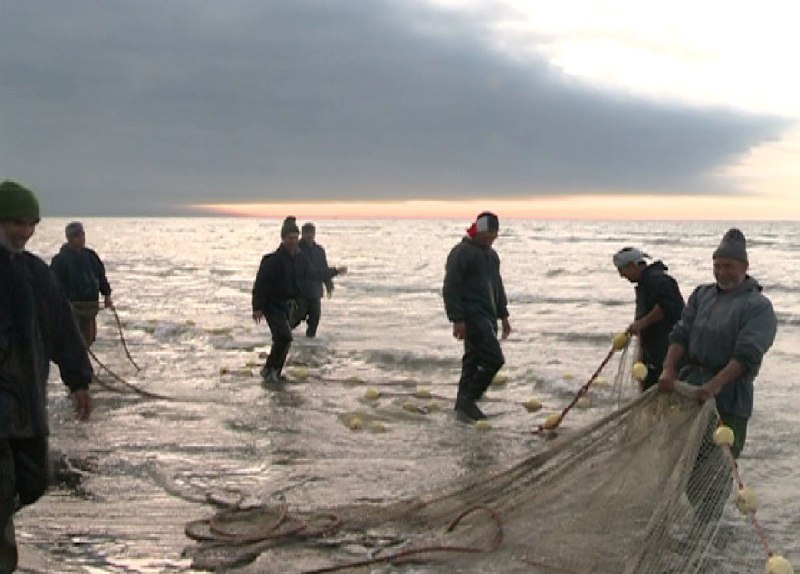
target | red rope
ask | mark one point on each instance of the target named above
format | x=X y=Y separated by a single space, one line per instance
x=582 y=391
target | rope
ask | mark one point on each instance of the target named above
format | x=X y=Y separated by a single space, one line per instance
x=122 y=338
x=412 y=552
x=582 y=391
x=125 y=383
x=762 y=537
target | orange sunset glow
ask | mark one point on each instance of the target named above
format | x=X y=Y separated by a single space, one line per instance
x=572 y=207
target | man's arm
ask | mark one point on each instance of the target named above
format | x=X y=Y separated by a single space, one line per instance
x=261 y=287
x=105 y=288
x=452 y=290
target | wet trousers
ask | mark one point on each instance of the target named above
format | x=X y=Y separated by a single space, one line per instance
x=482 y=358
x=23 y=479
x=313 y=314
x=281 y=341
x=308 y=309
x=85 y=313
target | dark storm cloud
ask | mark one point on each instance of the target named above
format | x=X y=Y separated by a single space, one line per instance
x=129 y=106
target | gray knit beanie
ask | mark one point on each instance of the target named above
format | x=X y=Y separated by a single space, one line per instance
x=733 y=245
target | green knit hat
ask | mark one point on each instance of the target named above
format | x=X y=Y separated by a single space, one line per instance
x=17 y=202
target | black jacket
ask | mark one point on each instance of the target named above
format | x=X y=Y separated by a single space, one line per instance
x=473 y=288
x=81 y=273
x=282 y=277
x=316 y=259
x=655 y=287
x=36 y=327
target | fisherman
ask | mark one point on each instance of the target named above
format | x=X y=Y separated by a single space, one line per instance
x=724 y=332
x=658 y=307
x=83 y=275
x=36 y=327
x=474 y=299
x=281 y=277
x=310 y=304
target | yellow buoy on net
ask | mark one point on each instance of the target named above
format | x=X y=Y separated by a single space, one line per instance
x=620 y=340
x=410 y=407
x=432 y=406
x=639 y=371
x=483 y=425
x=584 y=402
x=552 y=421
x=532 y=405
x=372 y=394
x=778 y=565
x=376 y=426
x=723 y=436
x=299 y=372
x=422 y=393
x=499 y=379
x=746 y=501
x=356 y=423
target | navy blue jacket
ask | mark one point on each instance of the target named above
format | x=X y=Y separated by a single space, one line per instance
x=282 y=277
x=316 y=258
x=655 y=287
x=82 y=273
x=36 y=327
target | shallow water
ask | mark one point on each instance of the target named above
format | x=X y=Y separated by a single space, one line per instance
x=142 y=468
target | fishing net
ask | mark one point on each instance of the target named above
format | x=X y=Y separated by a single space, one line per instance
x=640 y=490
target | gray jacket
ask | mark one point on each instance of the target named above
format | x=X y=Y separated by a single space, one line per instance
x=717 y=326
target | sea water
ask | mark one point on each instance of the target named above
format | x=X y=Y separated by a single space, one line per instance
x=143 y=467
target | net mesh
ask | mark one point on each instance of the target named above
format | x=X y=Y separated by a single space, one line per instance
x=640 y=490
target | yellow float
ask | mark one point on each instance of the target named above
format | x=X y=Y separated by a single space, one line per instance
x=620 y=341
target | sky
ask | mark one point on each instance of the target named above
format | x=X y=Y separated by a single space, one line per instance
x=403 y=108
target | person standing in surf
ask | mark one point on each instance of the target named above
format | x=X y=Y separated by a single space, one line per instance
x=36 y=327
x=659 y=304
x=310 y=304
x=83 y=276
x=280 y=282
x=474 y=299
x=725 y=330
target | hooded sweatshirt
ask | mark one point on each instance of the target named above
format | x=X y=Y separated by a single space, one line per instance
x=717 y=326
x=655 y=287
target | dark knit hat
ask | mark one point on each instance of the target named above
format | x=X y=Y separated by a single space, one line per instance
x=733 y=245
x=289 y=226
x=308 y=226
x=17 y=202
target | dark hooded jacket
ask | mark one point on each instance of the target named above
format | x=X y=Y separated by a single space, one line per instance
x=717 y=326
x=81 y=273
x=473 y=289
x=36 y=327
x=655 y=287
x=282 y=277
x=317 y=260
